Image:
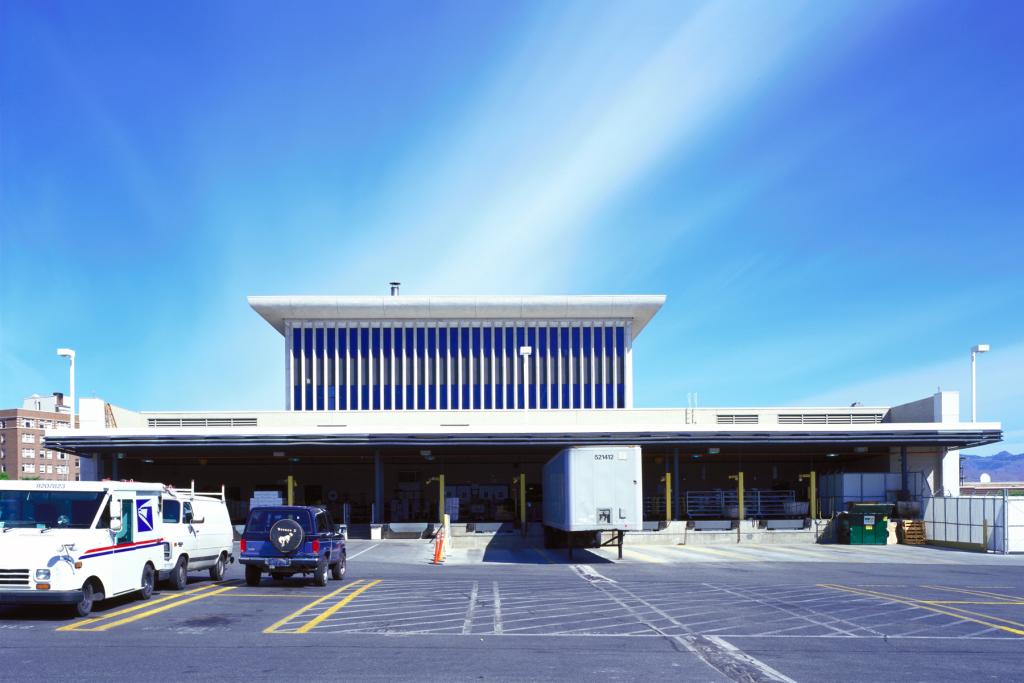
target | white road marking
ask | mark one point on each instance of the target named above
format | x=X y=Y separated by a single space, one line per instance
x=365 y=550
x=590 y=574
x=715 y=652
x=498 y=628
x=467 y=625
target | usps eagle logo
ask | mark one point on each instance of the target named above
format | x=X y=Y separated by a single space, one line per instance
x=144 y=515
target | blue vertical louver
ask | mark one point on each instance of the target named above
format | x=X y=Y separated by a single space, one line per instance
x=457 y=367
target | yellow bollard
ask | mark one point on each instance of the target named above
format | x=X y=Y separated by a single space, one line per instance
x=668 y=496
x=812 y=493
x=738 y=478
x=440 y=505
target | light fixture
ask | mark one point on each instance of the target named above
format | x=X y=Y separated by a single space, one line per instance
x=293 y=459
x=278 y=454
x=860 y=449
x=698 y=456
x=831 y=455
x=148 y=461
x=714 y=451
x=975 y=350
x=427 y=455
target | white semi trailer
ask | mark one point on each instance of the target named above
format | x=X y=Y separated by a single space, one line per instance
x=594 y=488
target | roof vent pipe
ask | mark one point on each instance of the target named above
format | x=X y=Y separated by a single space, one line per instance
x=394 y=288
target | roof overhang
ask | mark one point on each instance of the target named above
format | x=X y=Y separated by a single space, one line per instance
x=954 y=436
x=276 y=310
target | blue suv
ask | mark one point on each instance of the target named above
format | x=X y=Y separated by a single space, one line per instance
x=292 y=539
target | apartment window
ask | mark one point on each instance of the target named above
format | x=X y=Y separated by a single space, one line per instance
x=28 y=438
x=3 y=468
x=28 y=423
x=3 y=453
x=49 y=455
x=49 y=469
x=3 y=437
x=28 y=467
x=28 y=452
x=3 y=424
x=62 y=469
x=62 y=456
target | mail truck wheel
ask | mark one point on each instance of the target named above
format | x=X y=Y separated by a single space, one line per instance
x=286 y=536
x=320 y=577
x=179 y=575
x=148 y=579
x=217 y=570
x=84 y=606
x=252 y=575
x=338 y=569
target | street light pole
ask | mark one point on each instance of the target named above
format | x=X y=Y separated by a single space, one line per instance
x=975 y=350
x=70 y=355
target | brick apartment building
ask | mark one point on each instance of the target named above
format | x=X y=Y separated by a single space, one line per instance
x=22 y=452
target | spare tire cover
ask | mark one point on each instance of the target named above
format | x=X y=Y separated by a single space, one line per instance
x=286 y=535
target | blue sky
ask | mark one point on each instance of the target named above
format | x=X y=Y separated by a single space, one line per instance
x=830 y=194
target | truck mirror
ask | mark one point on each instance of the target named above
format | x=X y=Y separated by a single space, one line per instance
x=115 y=515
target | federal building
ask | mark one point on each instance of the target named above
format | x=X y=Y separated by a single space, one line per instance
x=381 y=394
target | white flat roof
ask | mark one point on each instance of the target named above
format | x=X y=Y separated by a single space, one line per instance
x=637 y=308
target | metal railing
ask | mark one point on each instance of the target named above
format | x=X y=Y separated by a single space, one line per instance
x=723 y=504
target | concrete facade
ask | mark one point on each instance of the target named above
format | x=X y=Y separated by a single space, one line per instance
x=378 y=457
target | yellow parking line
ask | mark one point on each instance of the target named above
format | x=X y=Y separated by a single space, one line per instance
x=158 y=610
x=642 y=556
x=799 y=552
x=949 y=611
x=301 y=610
x=715 y=552
x=264 y=595
x=306 y=628
x=983 y=594
x=78 y=625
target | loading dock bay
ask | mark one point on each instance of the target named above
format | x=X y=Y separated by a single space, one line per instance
x=755 y=614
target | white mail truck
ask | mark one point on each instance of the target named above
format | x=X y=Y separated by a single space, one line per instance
x=75 y=543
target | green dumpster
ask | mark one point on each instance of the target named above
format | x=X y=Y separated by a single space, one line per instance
x=866 y=524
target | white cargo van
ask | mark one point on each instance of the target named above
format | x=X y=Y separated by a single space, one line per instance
x=197 y=535
x=75 y=543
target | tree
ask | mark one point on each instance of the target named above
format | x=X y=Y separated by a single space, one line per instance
x=3 y=476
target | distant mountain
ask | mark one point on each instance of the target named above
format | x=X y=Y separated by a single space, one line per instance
x=1003 y=466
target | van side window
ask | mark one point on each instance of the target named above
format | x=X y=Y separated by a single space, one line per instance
x=172 y=512
x=187 y=518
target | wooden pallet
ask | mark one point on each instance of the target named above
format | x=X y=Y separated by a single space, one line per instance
x=911 y=532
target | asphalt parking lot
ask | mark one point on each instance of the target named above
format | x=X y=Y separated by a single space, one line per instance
x=722 y=613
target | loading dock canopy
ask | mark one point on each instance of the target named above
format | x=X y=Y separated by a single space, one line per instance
x=965 y=435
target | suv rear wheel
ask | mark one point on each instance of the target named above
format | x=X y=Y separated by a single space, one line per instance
x=252 y=575
x=338 y=569
x=320 y=577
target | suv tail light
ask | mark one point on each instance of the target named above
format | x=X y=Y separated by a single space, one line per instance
x=316 y=545
x=241 y=545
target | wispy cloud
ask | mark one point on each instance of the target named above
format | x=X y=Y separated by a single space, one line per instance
x=485 y=220
x=1000 y=385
